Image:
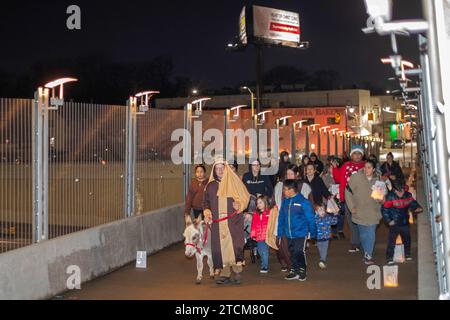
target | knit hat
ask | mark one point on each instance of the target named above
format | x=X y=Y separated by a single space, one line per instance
x=357 y=148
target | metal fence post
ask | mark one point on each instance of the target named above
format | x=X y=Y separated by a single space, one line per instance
x=328 y=144
x=130 y=167
x=225 y=144
x=187 y=148
x=307 y=140
x=319 y=143
x=293 y=144
x=40 y=165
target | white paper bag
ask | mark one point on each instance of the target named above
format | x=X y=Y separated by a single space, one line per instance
x=399 y=253
x=390 y=276
x=334 y=189
x=378 y=190
x=141 y=259
x=332 y=207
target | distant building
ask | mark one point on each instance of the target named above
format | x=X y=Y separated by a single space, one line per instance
x=365 y=119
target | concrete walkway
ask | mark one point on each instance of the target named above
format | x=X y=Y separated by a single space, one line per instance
x=171 y=276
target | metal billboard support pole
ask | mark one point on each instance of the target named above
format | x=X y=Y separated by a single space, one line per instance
x=130 y=166
x=40 y=165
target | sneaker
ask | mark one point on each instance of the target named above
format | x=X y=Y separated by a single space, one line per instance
x=335 y=237
x=263 y=270
x=284 y=269
x=302 y=275
x=292 y=276
x=322 y=265
x=223 y=280
x=341 y=235
x=368 y=260
x=353 y=250
x=390 y=262
x=237 y=278
x=409 y=258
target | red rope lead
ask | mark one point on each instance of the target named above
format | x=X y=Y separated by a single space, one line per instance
x=227 y=217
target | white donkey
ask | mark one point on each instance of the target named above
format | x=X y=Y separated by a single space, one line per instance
x=197 y=239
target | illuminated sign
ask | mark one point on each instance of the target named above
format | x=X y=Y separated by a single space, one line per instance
x=276 y=26
x=242 y=27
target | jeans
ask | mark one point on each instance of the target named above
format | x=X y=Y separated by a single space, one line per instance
x=356 y=242
x=367 y=235
x=263 y=250
x=394 y=231
x=323 y=249
x=297 y=251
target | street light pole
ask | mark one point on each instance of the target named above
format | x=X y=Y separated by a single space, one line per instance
x=252 y=104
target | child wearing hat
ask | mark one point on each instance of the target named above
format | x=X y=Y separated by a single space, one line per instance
x=395 y=211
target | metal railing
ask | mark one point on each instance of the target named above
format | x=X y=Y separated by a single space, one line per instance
x=15 y=173
x=72 y=175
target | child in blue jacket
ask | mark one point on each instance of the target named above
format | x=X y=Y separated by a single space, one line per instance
x=324 y=221
x=395 y=211
x=295 y=222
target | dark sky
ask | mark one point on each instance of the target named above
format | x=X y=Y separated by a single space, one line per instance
x=195 y=34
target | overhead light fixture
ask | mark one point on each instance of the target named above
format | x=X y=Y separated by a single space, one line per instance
x=199 y=103
x=235 y=111
x=261 y=117
x=57 y=101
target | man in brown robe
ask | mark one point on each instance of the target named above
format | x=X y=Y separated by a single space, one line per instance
x=225 y=198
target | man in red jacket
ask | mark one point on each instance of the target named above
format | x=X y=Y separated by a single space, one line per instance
x=342 y=175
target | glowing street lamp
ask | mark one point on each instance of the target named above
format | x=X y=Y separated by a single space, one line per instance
x=235 y=111
x=261 y=117
x=282 y=122
x=333 y=131
x=252 y=99
x=324 y=129
x=199 y=104
x=144 y=98
x=58 y=101
x=403 y=64
x=314 y=126
x=299 y=123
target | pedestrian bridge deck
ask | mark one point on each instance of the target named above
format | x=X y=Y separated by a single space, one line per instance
x=171 y=276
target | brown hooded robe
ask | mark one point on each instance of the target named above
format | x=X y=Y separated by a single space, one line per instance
x=227 y=237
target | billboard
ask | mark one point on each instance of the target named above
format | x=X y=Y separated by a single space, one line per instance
x=242 y=27
x=276 y=26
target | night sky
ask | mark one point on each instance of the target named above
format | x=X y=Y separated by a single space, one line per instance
x=195 y=33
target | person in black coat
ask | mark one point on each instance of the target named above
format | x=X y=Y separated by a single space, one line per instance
x=256 y=183
x=283 y=164
x=317 y=163
x=318 y=187
x=391 y=169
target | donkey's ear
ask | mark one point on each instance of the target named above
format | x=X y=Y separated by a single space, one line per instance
x=197 y=222
x=188 y=220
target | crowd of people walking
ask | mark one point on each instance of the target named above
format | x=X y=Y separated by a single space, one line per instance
x=301 y=206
